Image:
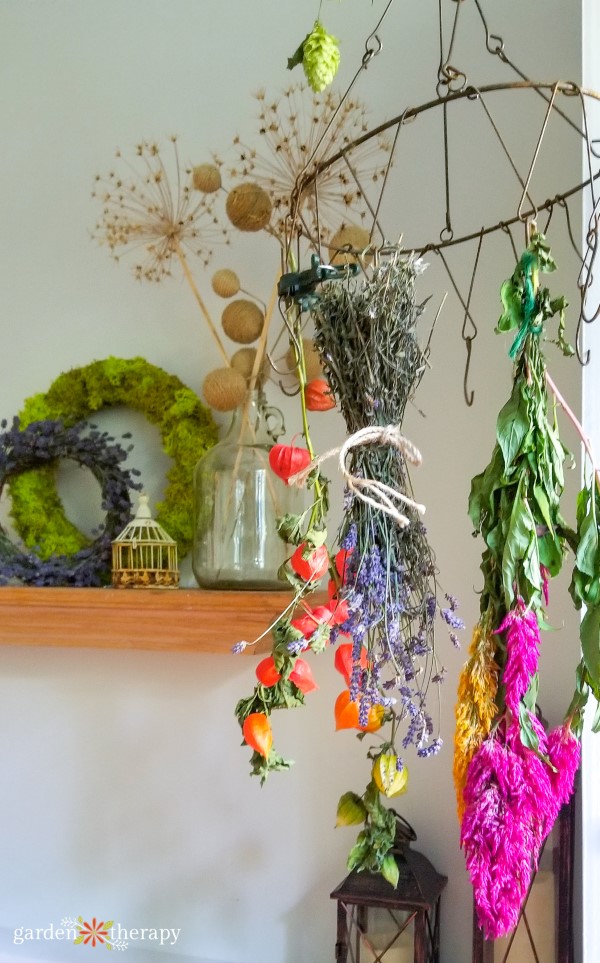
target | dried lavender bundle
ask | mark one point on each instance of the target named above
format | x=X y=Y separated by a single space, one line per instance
x=366 y=333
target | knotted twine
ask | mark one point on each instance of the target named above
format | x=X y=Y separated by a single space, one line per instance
x=370 y=490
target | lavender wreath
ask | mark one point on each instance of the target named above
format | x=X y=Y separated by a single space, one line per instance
x=41 y=444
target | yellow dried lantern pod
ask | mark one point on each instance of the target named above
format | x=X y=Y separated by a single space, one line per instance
x=353 y=238
x=248 y=207
x=312 y=360
x=224 y=389
x=242 y=321
x=225 y=283
x=206 y=178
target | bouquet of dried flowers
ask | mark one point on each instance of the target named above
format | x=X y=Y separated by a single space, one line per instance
x=511 y=775
x=382 y=576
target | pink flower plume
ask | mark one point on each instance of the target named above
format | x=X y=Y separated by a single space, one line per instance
x=522 y=653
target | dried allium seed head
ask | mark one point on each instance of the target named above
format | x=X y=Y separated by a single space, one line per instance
x=242 y=321
x=206 y=178
x=224 y=389
x=153 y=210
x=225 y=283
x=296 y=134
x=248 y=207
x=349 y=239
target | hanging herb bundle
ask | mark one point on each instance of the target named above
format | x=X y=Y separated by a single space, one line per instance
x=368 y=340
x=382 y=575
x=512 y=776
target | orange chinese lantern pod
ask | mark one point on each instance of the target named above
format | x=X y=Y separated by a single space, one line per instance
x=346 y=714
x=340 y=610
x=343 y=660
x=313 y=618
x=257 y=733
x=302 y=676
x=305 y=624
x=286 y=460
x=266 y=673
x=341 y=562
x=345 y=711
x=318 y=395
x=313 y=568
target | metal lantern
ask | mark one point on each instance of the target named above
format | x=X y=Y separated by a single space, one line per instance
x=377 y=923
x=544 y=932
x=143 y=555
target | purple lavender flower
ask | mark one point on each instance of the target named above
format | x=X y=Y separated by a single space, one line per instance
x=451 y=619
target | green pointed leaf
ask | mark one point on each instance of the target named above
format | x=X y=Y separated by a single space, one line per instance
x=521 y=532
x=512 y=427
x=298 y=56
x=587 y=551
x=390 y=871
x=512 y=316
x=589 y=634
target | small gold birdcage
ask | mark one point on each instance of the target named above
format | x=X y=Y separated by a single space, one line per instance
x=143 y=555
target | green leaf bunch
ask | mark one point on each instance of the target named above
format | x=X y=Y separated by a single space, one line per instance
x=372 y=850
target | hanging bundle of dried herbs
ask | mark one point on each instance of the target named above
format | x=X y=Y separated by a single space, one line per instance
x=383 y=601
x=511 y=775
x=367 y=335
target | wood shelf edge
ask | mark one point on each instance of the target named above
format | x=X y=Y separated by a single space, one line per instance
x=173 y=620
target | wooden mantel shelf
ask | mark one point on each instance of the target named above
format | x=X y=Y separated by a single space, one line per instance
x=180 y=620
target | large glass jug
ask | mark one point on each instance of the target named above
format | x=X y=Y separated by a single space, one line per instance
x=237 y=500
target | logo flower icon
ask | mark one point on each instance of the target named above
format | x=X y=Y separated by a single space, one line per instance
x=94 y=932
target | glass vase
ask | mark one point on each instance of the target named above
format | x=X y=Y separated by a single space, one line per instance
x=237 y=501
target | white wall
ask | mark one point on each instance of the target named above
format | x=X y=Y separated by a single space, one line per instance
x=125 y=793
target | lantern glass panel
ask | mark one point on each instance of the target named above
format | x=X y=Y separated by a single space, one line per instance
x=389 y=938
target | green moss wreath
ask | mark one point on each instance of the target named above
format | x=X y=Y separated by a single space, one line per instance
x=186 y=427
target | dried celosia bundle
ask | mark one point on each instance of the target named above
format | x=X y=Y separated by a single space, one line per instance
x=511 y=790
x=476 y=707
x=297 y=131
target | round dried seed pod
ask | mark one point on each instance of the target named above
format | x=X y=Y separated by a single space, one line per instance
x=243 y=361
x=312 y=359
x=353 y=238
x=248 y=207
x=242 y=321
x=224 y=389
x=206 y=178
x=225 y=283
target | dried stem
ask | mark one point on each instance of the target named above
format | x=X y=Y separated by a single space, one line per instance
x=577 y=425
x=190 y=279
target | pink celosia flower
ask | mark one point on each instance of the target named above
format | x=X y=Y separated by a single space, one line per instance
x=510 y=808
x=522 y=653
x=564 y=752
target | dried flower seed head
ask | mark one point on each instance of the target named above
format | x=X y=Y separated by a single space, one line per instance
x=225 y=283
x=312 y=360
x=297 y=131
x=224 y=389
x=248 y=207
x=151 y=209
x=206 y=178
x=242 y=321
x=348 y=243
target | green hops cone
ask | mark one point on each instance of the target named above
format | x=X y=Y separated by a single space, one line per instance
x=321 y=57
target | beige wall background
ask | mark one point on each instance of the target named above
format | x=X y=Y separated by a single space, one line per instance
x=125 y=793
